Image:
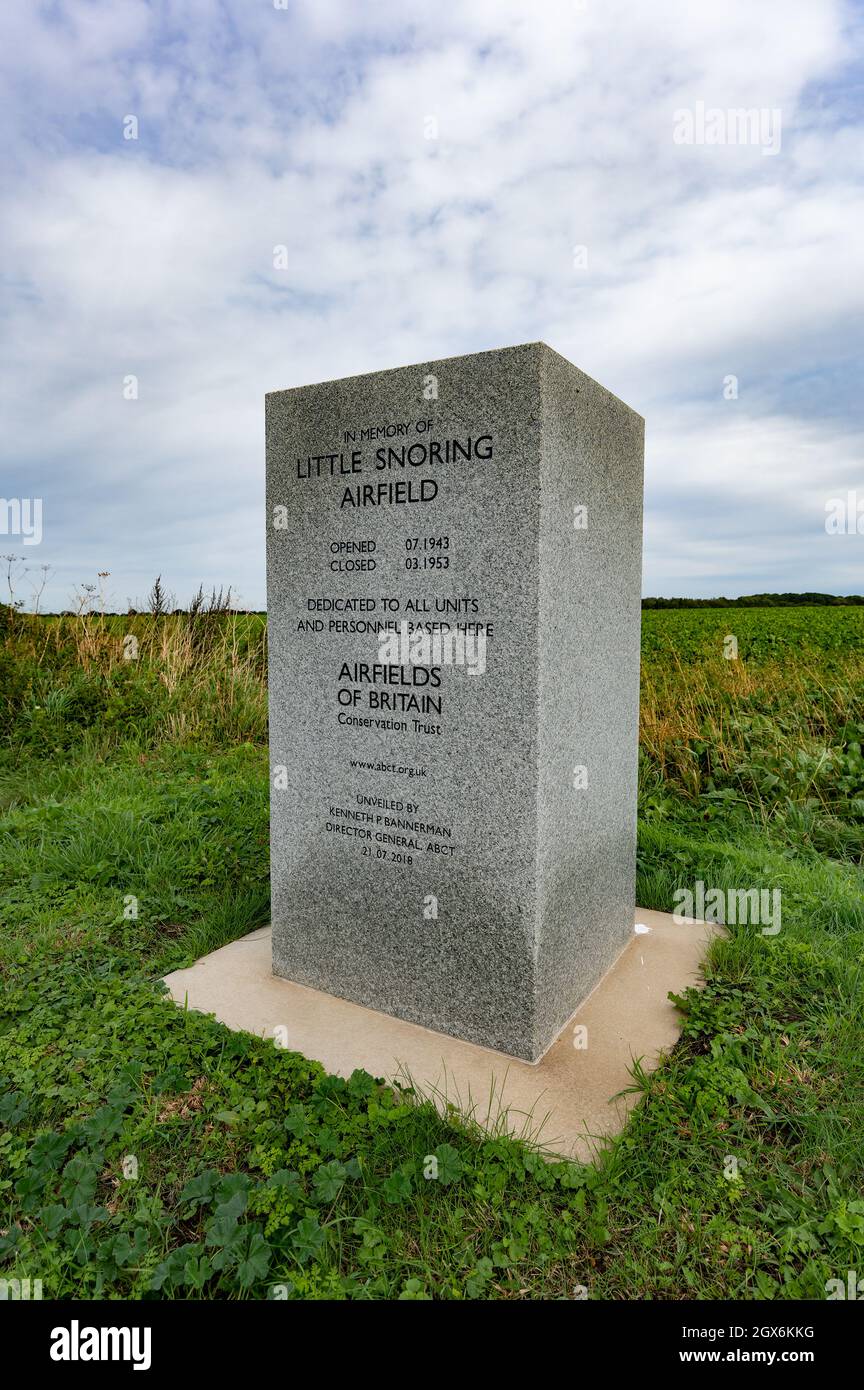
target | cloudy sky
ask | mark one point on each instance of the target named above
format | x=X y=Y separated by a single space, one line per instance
x=432 y=171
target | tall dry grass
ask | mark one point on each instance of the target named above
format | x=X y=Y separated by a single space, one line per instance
x=200 y=672
x=706 y=720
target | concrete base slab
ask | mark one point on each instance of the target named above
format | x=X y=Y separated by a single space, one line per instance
x=569 y=1101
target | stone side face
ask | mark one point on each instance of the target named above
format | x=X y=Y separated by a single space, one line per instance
x=527 y=884
x=589 y=645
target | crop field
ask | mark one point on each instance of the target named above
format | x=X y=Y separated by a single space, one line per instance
x=149 y=1153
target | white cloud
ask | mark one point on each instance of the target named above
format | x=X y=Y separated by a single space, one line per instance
x=305 y=128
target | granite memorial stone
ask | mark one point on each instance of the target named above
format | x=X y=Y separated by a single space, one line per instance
x=454 y=568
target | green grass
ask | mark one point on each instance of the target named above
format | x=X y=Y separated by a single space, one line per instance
x=164 y=853
x=147 y=1152
x=762 y=633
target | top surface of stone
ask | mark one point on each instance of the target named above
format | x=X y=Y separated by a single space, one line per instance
x=538 y=343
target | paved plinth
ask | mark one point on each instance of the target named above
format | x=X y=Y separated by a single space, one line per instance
x=568 y=1100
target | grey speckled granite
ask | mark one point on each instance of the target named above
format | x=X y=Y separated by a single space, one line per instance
x=451 y=874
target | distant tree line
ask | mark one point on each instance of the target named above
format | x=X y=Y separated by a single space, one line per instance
x=759 y=601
